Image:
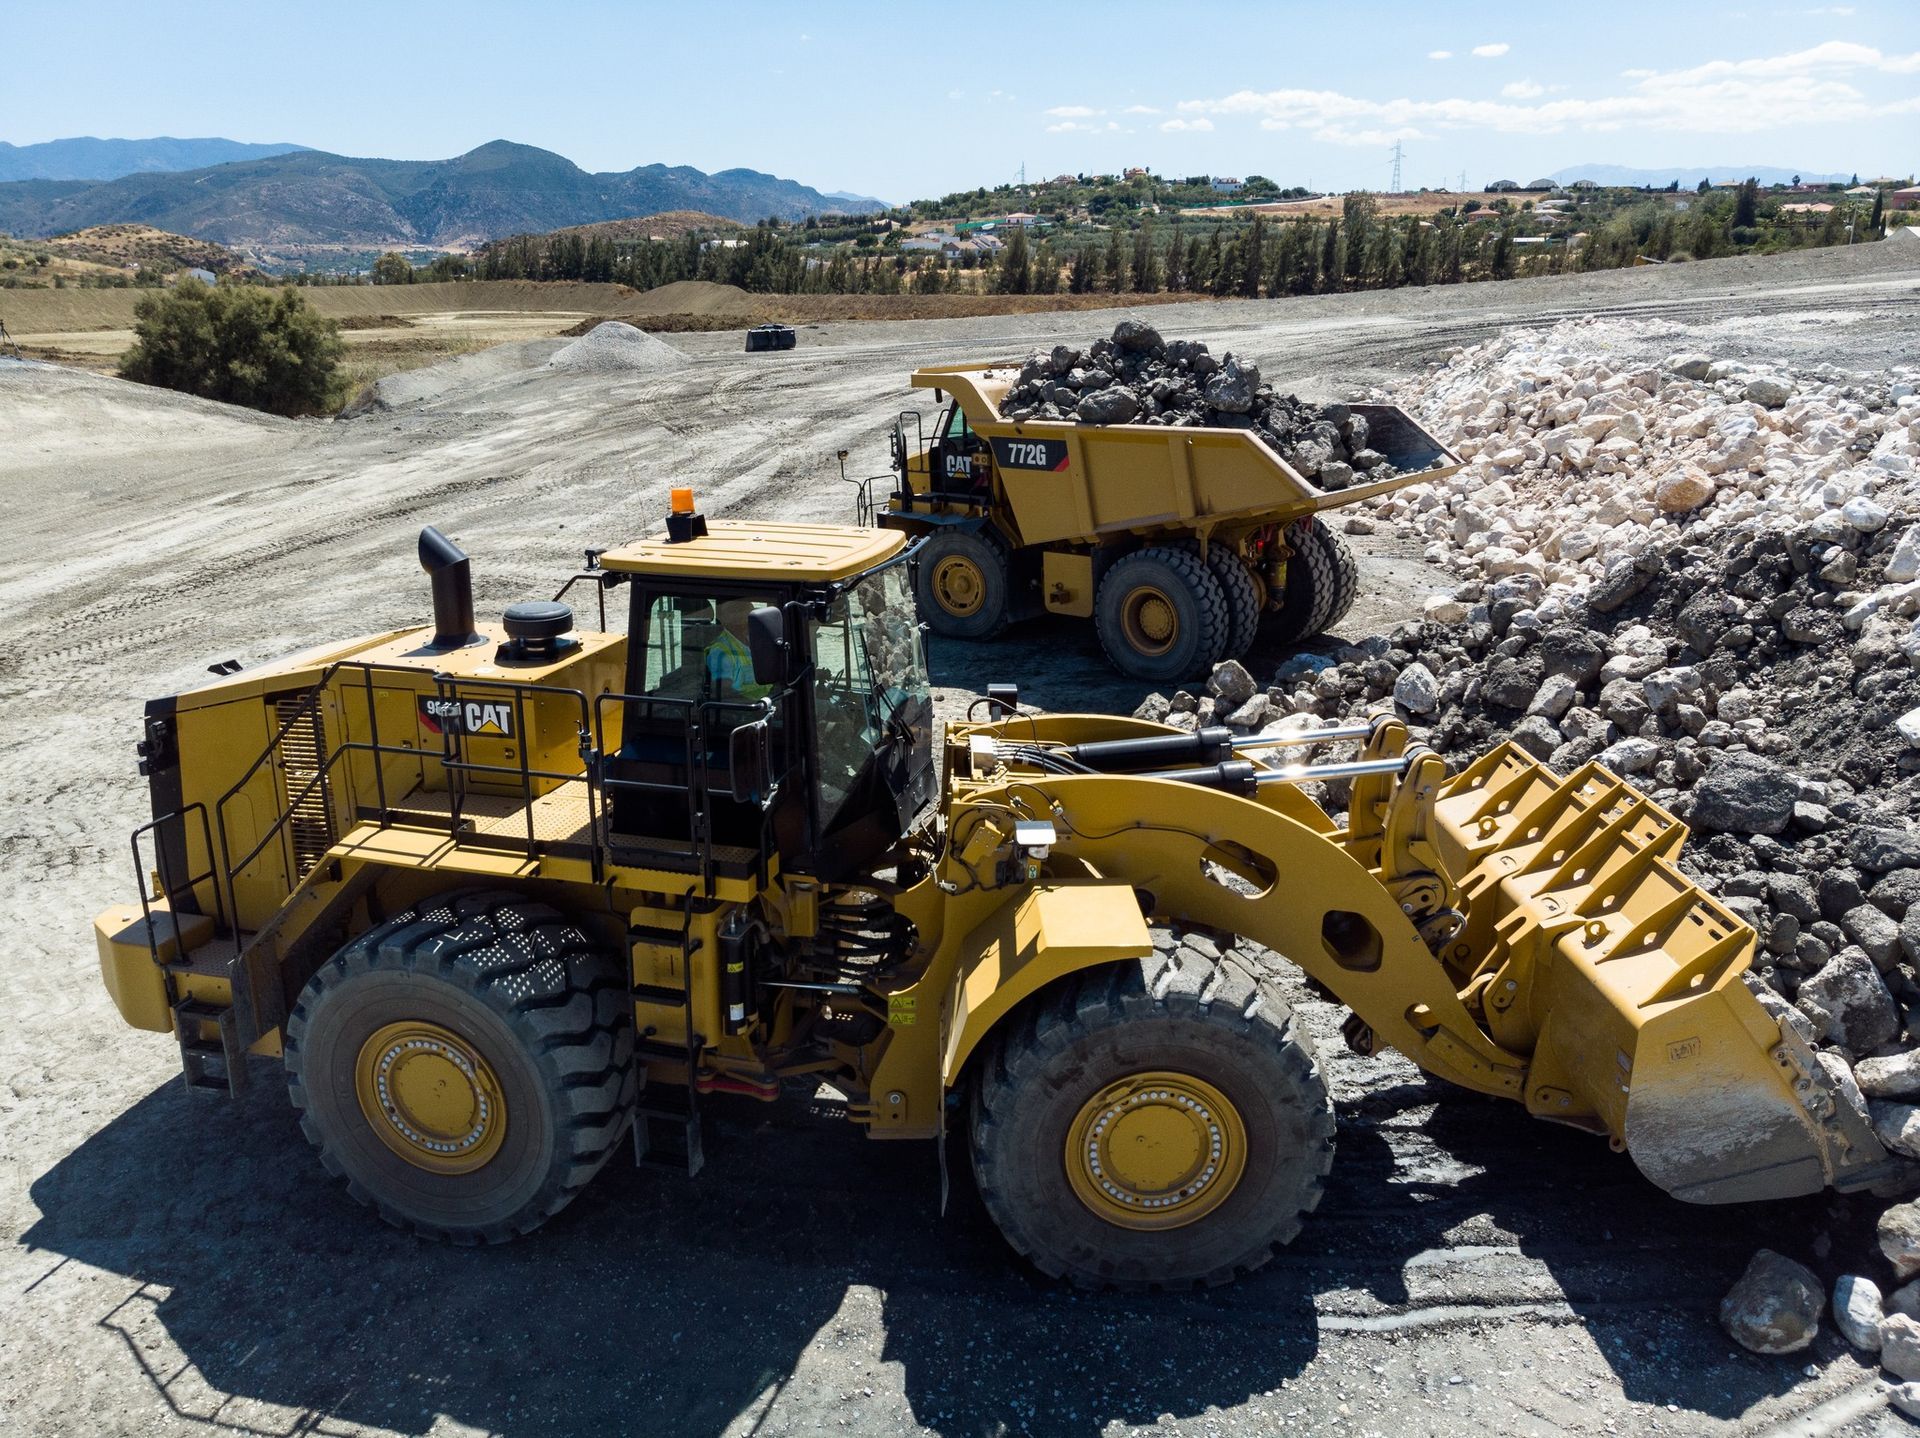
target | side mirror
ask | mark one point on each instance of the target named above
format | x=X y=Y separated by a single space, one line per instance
x=749 y=761
x=767 y=643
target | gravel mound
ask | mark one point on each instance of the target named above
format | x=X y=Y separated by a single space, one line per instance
x=1136 y=377
x=612 y=347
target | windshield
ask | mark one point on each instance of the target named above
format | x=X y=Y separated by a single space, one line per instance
x=872 y=700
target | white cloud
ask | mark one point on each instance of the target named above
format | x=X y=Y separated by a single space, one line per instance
x=1841 y=10
x=1638 y=74
x=1072 y=112
x=1719 y=97
x=956 y=94
x=1439 y=54
x=1141 y=110
x=1072 y=127
x=1193 y=124
x=1524 y=90
x=1492 y=52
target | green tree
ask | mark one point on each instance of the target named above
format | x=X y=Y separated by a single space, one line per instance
x=1252 y=257
x=1080 y=275
x=262 y=348
x=1330 y=258
x=1016 y=266
x=1501 y=263
x=1746 y=204
x=1116 y=262
x=392 y=269
x=1144 y=272
x=1177 y=260
x=1877 y=218
x=1833 y=230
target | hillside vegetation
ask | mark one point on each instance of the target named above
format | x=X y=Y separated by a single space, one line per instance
x=285 y=204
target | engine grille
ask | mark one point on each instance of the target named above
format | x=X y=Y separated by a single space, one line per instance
x=303 y=752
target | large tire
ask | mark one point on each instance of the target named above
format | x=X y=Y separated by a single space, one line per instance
x=961 y=581
x=1105 y=1078
x=1161 y=615
x=467 y=1066
x=1312 y=581
x=1242 y=593
x=1346 y=578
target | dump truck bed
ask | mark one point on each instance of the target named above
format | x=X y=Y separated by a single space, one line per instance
x=1070 y=481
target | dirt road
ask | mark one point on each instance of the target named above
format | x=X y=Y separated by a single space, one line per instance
x=172 y=1267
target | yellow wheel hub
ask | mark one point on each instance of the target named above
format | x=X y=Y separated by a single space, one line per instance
x=959 y=586
x=431 y=1097
x=1149 y=620
x=1156 y=1151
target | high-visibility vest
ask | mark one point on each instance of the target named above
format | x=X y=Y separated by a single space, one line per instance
x=729 y=663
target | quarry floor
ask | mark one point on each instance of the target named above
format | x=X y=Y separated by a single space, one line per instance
x=171 y=1266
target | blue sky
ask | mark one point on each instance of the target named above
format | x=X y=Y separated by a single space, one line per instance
x=909 y=100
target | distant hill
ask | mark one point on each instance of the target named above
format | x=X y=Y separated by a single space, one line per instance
x=311 y=198
x=85 y=158
x=669 y=226
x=1688 y=175
x=124 y=245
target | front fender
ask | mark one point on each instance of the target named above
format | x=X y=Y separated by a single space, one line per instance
x=1041 y=934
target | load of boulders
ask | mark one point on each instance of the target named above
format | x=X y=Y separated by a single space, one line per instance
x=1708 y=579
x=1136 y=377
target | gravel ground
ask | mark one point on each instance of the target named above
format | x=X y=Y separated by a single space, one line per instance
x=171 y=1266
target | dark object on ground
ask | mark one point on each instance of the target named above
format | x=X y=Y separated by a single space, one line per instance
x=770 y=337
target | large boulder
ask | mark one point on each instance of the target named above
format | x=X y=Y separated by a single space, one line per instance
x=1745 y=794
x=1107 y=406
x=1857 y=1311
x=1849 y=1003
x=1899 y=1235
x=1775 y=1307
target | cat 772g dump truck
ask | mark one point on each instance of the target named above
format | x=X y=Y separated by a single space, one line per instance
x=1181 y=544
x=501 y=896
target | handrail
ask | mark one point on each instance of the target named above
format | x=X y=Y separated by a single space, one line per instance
x=702 y=717
x=167 y=886
x=452 y=758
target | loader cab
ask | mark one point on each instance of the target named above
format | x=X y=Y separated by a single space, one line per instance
x=776 y=704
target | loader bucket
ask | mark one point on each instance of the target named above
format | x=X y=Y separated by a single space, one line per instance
x=1585 y=946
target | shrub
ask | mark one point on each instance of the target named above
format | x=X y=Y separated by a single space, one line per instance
x=261 y=348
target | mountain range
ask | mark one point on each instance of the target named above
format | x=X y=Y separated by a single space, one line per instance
x=309 y=199
x=1688 y=175
x=85 y=158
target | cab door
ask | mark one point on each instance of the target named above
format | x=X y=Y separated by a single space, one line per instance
x=957 y=459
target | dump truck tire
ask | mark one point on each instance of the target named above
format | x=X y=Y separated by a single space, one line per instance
x=466 y=1066
x=1346 y=578
x=1313 y=579
x=1242 y=593
x=1161 y=614
x=962 y=583
x=1159 y=1124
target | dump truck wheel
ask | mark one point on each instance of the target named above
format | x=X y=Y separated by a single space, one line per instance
x=1346 y=578
x=1160 y=1124
x=961 y=583
x=1242 y=592
x=1161 y=614
x=1312 y=581
x=467 y=1066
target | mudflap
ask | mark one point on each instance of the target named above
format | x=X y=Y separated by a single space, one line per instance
x=1586 y=947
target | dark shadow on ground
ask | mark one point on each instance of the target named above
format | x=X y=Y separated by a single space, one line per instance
x=683 y=1305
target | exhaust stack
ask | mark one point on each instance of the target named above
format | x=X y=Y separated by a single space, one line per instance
x=452 y=575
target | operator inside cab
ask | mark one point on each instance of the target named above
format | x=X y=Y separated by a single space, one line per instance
x=728 y=660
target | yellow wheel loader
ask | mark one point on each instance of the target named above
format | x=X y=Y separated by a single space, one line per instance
x=506 y=897
x=1180 y=544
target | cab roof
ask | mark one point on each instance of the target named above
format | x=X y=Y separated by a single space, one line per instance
x=737 y=549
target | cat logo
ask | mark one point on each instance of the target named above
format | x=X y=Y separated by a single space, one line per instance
x=492 y=719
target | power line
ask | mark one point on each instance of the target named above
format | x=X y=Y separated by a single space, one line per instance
x=1395 y=189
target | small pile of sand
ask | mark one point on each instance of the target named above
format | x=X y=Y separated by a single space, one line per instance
x=610 y=347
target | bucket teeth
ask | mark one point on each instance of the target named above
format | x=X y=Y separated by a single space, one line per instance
x=1627 y=984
